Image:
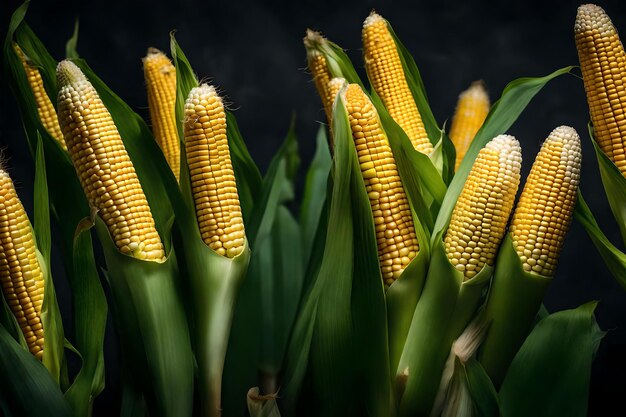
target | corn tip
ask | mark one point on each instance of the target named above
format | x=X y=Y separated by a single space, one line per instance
x=68 y=73
x=593 y=17
x=372 y=19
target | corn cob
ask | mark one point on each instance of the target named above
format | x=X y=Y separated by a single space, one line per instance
x=104 y=167
x=384 y=69
x=395 y=232
x=212 y=177
x=334 y=86
x=544 y=211
x=471 y=111
x=603 y=63
x=318 y=66
x=479 y=219
x=47 y=113
x=20 y=273
x=160 y=77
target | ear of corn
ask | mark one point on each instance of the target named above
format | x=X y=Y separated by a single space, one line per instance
x=529 y=255
x=482 y=211
x=544 y=211
x=104 y=167
x=47 y=113
x=471 y=111
x=318 y=67
x=212 y=178
x=384 y=69
x=395 y=232
x=21 y=275
x=160 y=76
x=603 y=64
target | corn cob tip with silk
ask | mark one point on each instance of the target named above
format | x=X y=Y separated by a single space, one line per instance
x=603 y=64
x=21 y=275
x=544 y=211
x=160 y=76
x=384 y=69
x=318 y=67
x=214 y=189
x=45 y=108
x=471 y=111
x=393 y=220
x=479 y=219
x=104 y=167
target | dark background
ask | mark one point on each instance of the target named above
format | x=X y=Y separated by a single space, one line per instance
x=253 y=52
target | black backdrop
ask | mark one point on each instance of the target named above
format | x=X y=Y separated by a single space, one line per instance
x=253 y=52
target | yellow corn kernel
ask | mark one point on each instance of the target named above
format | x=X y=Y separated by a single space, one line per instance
x=479 y=218
x=471 y=111
x=395 y=232
x=384 y=69
x=603 y=64
x=21 y=276
x=544 y=211
x=212 y=177
x=160 y=77
x=47 y=114
x=104 y=167
x=318 y=66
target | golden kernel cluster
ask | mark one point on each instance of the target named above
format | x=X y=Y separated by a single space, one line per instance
x=471 y=111
x=395 y=233
x=47 y=114
x=212 y=177
x=104 y=167
x=603 y=64
x=384 y=68
x=160 y=76
x=544 y=211
x=479 y=219
x=20 y=273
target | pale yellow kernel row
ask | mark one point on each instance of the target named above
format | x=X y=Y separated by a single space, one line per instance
x=480 y=216
x=544 y=211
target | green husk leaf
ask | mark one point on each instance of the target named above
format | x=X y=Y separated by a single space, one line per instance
x=254 y=349
x=446 y=306
x=53 y=354
x=514 y=99
x=69 y=207
x=614 y=186
x=72 y=43
x=513 y=303
x=484 y=395
x=152 y=327
x=542 y=380
x=314 y=195
x=27 y=388
x=614 y=259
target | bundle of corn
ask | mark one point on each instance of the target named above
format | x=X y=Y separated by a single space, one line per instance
x=139 y=271
x=530 y=253
x=460 y=268
x=471 y=111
